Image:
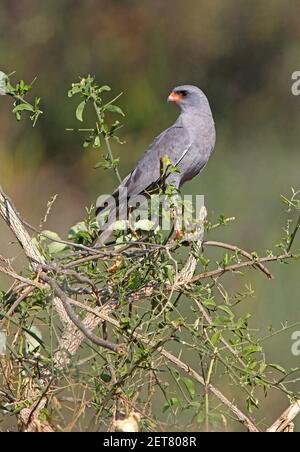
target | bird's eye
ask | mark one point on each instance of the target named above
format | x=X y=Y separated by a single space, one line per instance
x=183 y=93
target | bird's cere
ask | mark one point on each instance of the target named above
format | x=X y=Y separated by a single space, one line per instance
x=174 y=97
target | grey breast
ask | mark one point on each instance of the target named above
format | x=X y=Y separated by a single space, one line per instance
x=202 y=133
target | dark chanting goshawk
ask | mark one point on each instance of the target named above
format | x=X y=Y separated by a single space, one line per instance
x=188 y=143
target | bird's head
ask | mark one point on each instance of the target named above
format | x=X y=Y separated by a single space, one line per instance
x=189 y=97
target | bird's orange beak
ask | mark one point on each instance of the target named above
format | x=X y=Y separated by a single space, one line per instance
x=174 y=97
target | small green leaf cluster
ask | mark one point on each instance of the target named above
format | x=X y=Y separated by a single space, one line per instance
x=19 y=92
x=91 y=94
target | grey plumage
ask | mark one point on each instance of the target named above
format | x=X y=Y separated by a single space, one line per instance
x=188 y=143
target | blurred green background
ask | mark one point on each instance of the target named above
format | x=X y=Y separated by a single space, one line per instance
x=240 y=52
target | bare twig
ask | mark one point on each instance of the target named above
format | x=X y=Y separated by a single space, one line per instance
x=241 y=265
x=79 y=324
x=26 y=281
x=76 y=330
x=12 y=219
x=293 y=235
x=286 y=418
x=245 y=420
x=22 y=297
x=190 y=371
x=237 y=249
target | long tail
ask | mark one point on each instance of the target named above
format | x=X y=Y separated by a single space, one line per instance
x=115 y=211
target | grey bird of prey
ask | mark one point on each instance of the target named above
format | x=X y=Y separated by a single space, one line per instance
x=188 y=143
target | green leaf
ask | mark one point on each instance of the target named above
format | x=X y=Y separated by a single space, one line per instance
x=104 y=165
x=173 y=401
x=54 y=246
x=226 y=259
x=251 y=349
x=74 y=90
x=97 y=142
x=170 y=273
x=22 y=107
x=189 y=386
x=251 y=403
x=2 y=343
x=205 y=262
x=107 y=164
x=104 y=88
x=125 y=322
x=51 y=235
x=104 y=128
x=121 y=225
x=226 y=309
x=262 y=368
x=221 y=321
x=88 y=141
x=77 y=229
x=33 y=339
x=80 y=110
x=114 y=109
x=144 y=225
x=166 y=160
x=215 y=338
x=277 y=367
x=209 y=303
x=105 y=377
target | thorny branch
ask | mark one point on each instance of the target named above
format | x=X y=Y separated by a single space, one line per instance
x=76 y=330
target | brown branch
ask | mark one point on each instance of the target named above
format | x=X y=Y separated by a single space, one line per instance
x=76 y=330
x=245 y=420
x=239 y=266
x=286 y=418
x=72 y=337
x=22 y=297
x=150 y=288
x=77 y=322
x=8 y=271
x=237 y=249
x=102 y=314
x=224 y=342
x=242 y=418
x=12 y=218
x=293 y=235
